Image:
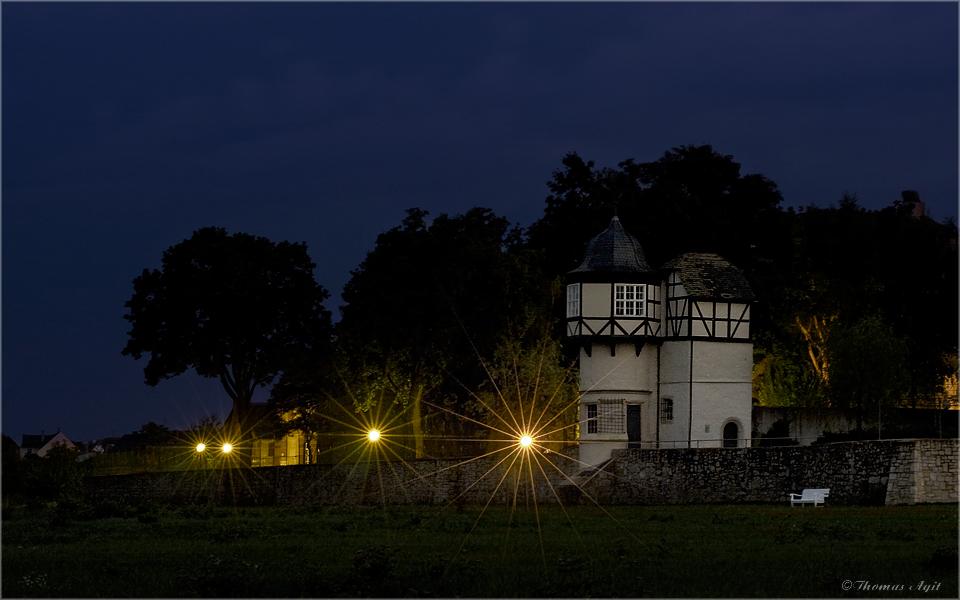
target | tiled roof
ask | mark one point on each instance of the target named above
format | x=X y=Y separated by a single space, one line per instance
x=709 y=276
x=614 y=251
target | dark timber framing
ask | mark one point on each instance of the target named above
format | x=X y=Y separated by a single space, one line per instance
x=680 y=320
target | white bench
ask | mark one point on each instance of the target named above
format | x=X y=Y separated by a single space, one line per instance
x=810 y=496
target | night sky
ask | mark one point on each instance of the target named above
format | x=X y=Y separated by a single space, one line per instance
x=128 y=126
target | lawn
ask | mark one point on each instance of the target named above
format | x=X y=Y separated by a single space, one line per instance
x=425 y=551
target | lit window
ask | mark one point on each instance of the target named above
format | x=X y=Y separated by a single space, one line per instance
x=591 y=418
x=630 y=300
x=666 y=410
x=573 y=300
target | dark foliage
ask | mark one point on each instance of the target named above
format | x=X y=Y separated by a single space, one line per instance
x=237 y=308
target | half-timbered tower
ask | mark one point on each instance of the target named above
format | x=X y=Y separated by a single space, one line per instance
x=665 y=354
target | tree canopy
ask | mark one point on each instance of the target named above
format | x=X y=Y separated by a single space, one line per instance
x=843 y=269
x=692 y=199
x=429 y=304
x=238 y=308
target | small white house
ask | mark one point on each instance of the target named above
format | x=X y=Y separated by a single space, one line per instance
x=40 y=444
x=666 y=355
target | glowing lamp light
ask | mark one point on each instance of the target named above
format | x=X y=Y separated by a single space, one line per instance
x=201 y=447
x=227 y=448
x=373 y=435
x=526 y=441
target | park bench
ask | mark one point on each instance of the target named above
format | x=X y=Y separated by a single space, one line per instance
x=810 y=496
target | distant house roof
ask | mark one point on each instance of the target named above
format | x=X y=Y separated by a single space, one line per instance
x=39 y=444
x=37 y=441
x=614 y=250
x=708 y=276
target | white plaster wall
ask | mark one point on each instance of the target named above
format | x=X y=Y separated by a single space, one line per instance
x=714 y=404
x=722 y=390
x=624 y=375
x=595 y=299
x=625 y=372
x=722 y=362
x=721 y=385
x=674 y=434
x=675 y=383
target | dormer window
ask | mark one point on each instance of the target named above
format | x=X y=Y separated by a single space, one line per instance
x=630 y=300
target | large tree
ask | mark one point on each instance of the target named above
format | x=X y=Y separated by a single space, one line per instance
x=237 y=308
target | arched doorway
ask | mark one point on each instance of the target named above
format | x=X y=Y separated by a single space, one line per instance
x=731 y=431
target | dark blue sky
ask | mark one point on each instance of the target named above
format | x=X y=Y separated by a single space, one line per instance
x=127 y=126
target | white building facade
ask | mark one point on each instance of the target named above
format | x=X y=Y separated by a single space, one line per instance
x=666 y=356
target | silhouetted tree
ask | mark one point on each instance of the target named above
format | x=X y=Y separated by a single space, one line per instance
x=237 y=308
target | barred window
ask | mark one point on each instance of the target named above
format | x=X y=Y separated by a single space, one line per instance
x=666 y=410
x=591 y=418
x=629 y=300
x=573 y=300
x=610 y=418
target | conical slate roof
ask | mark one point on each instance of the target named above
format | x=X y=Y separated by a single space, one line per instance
x=707 y=276
x=613 y=251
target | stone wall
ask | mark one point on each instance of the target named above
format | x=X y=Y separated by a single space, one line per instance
x=871 y=472
x=924 y=471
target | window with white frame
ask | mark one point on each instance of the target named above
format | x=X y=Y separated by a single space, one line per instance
x=573 y=300
x=666 y=410
x=630 y=300
x=591 y=418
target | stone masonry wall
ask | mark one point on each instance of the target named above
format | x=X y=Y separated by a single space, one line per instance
x=925 y=471
x=875 y=472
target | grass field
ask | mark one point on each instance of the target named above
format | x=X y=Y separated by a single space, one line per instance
x=422 y=551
